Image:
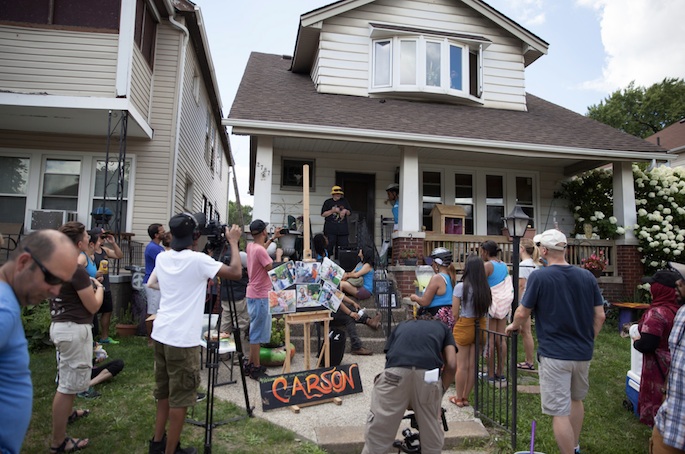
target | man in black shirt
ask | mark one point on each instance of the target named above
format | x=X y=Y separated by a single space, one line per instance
x=335 y=210
x=415 y=353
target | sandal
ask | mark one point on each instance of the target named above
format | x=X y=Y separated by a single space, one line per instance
x=526 y=366
x=455 y=400
x=77 y=414
x=465 y=403
x=76 y=445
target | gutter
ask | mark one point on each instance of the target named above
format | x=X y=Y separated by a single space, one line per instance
x=496 y=147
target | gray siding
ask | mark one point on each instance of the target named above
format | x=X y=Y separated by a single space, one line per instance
x=141 y=83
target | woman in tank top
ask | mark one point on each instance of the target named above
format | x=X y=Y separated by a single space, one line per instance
x=437 y=298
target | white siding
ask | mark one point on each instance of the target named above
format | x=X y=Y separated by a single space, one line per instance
x=342 y=63
x=57 y=62
x=141 y=83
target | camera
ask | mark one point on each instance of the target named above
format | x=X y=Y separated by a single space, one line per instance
x=216 y=234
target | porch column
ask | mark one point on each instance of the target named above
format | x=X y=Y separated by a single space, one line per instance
x=262 y=181
x=410 y=205
x=624 y=201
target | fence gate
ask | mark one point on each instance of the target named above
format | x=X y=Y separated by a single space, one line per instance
x=496 y=378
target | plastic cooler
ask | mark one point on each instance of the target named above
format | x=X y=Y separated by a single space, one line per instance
x=632 y=391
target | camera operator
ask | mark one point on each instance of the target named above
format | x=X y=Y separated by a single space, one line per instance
x=416 y=352
x=182 y=275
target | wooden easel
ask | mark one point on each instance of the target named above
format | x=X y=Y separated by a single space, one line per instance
x=306 y=318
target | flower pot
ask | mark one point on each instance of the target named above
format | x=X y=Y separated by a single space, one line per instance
x=596 y=273
x=126 y=330
x=410 y=262
x=274 y=356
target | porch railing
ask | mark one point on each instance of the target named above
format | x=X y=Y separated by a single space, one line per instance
x=464 y=245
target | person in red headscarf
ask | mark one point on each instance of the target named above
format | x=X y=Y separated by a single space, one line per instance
x=654 y=328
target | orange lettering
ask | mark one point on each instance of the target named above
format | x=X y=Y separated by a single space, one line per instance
x=313 y=384
x=275 y=389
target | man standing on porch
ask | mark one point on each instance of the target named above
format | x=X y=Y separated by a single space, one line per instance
x=569 y=313
x=335 y=211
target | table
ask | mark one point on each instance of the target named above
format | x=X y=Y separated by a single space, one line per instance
x=628 y=312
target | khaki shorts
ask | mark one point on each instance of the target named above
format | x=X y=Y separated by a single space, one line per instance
x=561 y=382
x=177 y=374
x=74 y=344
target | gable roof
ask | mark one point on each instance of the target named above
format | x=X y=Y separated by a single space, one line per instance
x=307 y=40
x=275 y=101
x=672 y=137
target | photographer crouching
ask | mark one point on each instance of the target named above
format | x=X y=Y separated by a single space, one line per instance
x=181 y=275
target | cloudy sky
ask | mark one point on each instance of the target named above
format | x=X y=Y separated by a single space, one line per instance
x=596 y=47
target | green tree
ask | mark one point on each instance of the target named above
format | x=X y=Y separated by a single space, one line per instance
x=234 y=213
x=642 y=111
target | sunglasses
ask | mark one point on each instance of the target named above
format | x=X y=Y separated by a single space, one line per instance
x=50 y=278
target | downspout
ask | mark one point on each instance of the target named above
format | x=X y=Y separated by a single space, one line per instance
x=181 y=79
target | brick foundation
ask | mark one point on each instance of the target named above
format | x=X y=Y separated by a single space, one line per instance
x=630 y=268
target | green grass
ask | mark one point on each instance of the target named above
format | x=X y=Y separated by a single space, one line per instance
x=122 y=419
x=608 y=427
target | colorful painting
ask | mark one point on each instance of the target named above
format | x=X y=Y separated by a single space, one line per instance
x=331 y=272
x=308 y=296
x=330 y=297
x=282 y=301
x=282 y=276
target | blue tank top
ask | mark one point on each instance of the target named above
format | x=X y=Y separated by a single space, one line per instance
x=368 y=277
x=90 y=266
x=499 y=273
x=446 y=298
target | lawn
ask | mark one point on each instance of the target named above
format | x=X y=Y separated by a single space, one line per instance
x=122 y=419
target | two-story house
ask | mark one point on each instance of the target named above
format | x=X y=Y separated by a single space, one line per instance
x=427 y=94
x=91 y=88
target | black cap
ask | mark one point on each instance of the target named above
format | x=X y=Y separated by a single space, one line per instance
x=96 y=231
x=182 y=227
x=667 y=278
x=257 y=226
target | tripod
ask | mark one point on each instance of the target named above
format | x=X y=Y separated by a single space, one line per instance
x=411 y=443
x=212 y=365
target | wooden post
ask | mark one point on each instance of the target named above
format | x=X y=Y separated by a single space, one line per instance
x=306 y=242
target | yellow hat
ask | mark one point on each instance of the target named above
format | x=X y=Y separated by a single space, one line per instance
x=337 y=190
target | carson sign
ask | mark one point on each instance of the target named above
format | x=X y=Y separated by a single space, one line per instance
x=298 y=388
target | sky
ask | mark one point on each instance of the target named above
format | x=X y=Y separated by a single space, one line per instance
x=595 y=48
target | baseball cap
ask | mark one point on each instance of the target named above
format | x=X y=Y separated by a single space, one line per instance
x=550 y=238
x=96 y=231
x=182 y=227
x=337 y=190
x=392 y=187
x=257 y=226
x=666 y=277
x=679 y=267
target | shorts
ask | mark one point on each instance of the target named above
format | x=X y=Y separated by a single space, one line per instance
x=177 y=374
x=260 y=320
x=153 y=297
x=74 y=344
x=465 y=330
x=561 y=382
x=363 y=294
x=106 y=303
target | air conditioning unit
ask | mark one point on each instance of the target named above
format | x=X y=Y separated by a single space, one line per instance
x=50 y=219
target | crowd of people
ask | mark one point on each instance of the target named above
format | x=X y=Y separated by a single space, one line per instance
x=424 y=356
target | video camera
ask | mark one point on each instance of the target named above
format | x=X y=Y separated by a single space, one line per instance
x=216 y=234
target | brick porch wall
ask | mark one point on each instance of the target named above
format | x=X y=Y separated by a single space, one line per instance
x=630 y=268
x=405 y=276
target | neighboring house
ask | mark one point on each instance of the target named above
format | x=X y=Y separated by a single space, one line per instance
x=129 y=79
x=672 y=138
x=427 y=94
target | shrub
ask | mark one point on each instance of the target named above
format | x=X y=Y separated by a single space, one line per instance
x=36 y=320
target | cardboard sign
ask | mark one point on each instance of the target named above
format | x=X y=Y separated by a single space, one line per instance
x=309 y=386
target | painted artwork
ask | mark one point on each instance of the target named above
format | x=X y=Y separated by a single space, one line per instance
x=282 y=301
x=307 y=272
x=308 y=296
x=331 y=272
x=283 y=276
x=330 y=297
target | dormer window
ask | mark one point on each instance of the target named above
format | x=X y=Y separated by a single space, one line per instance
x=411 y=60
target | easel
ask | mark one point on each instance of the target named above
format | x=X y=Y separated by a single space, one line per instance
x=306 y=318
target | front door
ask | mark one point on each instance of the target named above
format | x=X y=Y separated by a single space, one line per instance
x=360 y=189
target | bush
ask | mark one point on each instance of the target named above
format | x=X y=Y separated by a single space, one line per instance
x=36 y=320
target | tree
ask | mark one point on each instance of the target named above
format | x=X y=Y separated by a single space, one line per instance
x=642 y=111
x=234 y=214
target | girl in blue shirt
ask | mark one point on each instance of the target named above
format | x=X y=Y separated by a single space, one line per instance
x=437 y=298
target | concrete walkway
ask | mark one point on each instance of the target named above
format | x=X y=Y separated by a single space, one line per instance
x=341 y=428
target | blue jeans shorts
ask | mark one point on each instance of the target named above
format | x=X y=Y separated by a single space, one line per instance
x=260 y=320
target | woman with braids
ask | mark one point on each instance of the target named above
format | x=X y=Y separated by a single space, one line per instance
x=437 y=298
x=471 y=301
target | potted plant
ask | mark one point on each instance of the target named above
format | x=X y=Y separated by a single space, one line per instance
x=409 y=256
x=595 y=263
x=273 y=353
x=126 y=325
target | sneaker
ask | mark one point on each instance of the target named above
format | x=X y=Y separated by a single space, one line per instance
x=157 y=447
x=109 y=340
x=201 y=397
x=188 y=450
x=258 y=372
x=90 y=393
x=246 y=367
x=362 y=351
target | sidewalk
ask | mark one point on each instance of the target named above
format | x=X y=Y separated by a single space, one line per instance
x=340 y=428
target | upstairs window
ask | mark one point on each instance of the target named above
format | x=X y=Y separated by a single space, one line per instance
x=96 y=15
x=414 y=60
x=145 y=31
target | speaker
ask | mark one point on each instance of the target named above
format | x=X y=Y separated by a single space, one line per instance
x=347 y=259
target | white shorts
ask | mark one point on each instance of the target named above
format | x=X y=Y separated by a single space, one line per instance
x=153 y=297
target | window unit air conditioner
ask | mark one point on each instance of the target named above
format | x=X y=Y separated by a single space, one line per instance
x=51 y=219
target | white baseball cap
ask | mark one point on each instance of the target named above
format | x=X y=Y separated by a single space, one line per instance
x=551 y=239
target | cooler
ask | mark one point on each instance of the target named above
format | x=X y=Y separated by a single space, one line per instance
x=632 y=391
x=635 y=361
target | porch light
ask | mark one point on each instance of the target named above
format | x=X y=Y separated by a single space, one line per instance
x=517 y=222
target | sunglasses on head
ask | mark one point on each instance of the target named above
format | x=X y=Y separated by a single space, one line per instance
x=50 y=278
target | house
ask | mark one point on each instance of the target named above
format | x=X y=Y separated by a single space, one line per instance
x=672 y=138
x=91 y=88
x=430 y=95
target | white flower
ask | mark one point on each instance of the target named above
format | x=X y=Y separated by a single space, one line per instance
x=581 y=219
x=666 y=211
x=593 y=218
x=640 y=212
x=654 y=264
x=577 y=208
x=677 y=252
x=666 y=250
x=620 y=230
x=651 y=195
x=613 y=220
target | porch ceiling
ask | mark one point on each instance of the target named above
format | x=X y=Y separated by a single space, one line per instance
x=64 y=120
